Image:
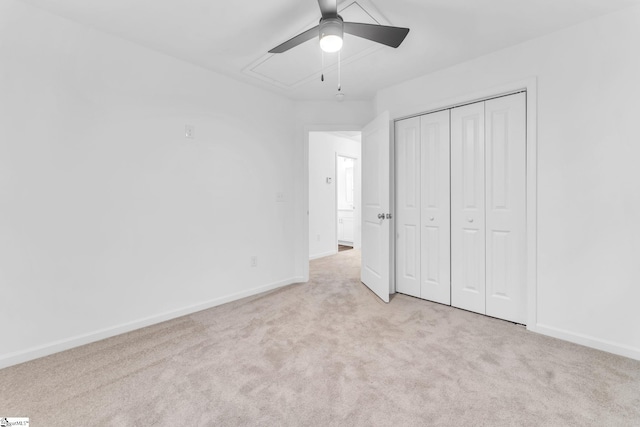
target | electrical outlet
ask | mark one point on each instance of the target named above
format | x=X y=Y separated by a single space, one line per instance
x=254 y=261
x=280 y=197
x=189 y=131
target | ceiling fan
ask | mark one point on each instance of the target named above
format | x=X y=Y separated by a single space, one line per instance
x=331 y=30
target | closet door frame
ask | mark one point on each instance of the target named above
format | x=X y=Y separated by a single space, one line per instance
x=530 y=87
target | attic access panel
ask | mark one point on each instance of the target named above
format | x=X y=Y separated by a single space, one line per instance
x=304 y=62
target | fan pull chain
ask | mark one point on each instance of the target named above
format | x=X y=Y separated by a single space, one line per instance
x=339 y=74
x=322 y=74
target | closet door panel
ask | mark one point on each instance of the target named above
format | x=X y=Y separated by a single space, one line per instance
x=407 y=140
x=506 y=207
x=435 y=246
x=468 y=208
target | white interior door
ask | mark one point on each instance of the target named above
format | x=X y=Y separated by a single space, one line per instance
x=376 y=204
x=506 y=207
x=407 y=142
x=467 y=208
x=435 y=208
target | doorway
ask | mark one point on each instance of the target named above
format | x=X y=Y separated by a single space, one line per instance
x=345 y=195
x=334 y=192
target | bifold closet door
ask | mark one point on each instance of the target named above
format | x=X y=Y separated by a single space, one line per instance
x=435 y=208
x=461 y=207
x=505 y=160
x=468 y=208
x=407 y=140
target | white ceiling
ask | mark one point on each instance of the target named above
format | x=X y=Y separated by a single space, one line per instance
x=232 y=37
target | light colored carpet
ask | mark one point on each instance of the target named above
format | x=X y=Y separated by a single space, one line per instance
x=327 y=353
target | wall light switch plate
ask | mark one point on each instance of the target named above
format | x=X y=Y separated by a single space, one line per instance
x=190 y=131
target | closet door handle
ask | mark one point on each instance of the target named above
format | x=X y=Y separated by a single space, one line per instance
x=380 y=216
x=470 y=219
x=431 y=218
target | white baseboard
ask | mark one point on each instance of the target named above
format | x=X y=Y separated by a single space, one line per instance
x=588 y=341
x=66 y=344
x=324 y=254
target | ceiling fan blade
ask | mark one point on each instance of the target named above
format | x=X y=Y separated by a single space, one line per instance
x=391 y=36
x=329 y=8
x=299 y=39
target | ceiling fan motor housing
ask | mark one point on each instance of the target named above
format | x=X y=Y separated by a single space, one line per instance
x=331 y=27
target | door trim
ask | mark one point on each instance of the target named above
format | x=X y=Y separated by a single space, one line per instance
x=530 y=86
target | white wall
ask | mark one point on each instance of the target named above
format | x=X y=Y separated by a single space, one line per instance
x=588 y=178
x=323 y=148
x=109 y=218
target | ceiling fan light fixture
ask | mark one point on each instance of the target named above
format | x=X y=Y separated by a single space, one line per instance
x=332 y=27
x=331 y=43
x=331 y=34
